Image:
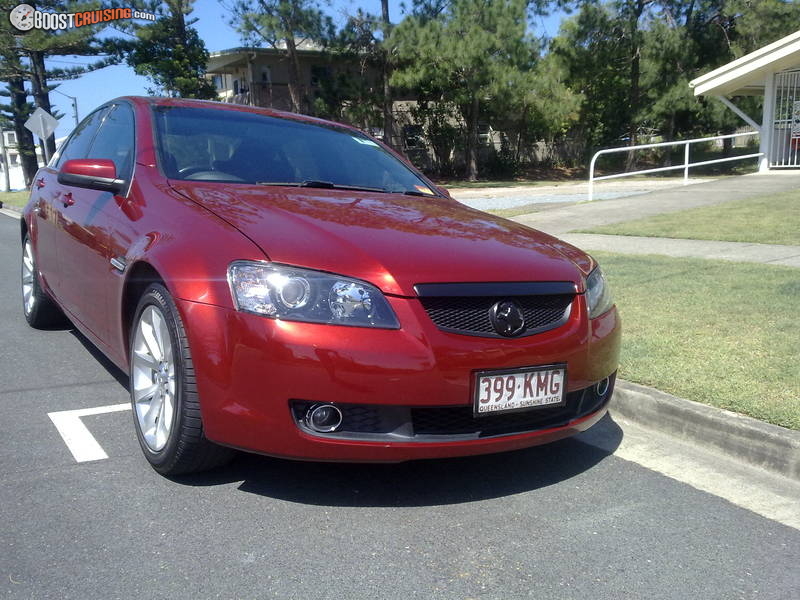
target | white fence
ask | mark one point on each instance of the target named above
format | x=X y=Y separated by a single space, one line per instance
x=685 y=166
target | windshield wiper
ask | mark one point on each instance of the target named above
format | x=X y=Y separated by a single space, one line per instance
x=328 y=185
x=336 y=186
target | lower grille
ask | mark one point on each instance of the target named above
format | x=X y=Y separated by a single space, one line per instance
x=403 y=423
x=470 y=314
x=455 y=420
x=362 y=418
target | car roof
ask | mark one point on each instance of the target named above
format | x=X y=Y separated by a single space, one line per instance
x=212 y=104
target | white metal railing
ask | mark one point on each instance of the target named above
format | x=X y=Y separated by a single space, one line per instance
x=685 y=166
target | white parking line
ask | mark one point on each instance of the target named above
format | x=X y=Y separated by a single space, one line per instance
x=77 y=437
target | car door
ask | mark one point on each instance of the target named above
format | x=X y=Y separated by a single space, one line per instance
x=83 y=239
x=46 y=193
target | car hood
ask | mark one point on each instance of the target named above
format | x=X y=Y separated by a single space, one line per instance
x=391 y=240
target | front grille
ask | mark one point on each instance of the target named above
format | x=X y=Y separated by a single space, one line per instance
x=470 y=314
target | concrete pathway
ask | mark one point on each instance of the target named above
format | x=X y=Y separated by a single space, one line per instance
x=567 y=192
x=772 y=254
x=560 y=220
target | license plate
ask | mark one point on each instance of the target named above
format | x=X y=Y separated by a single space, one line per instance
x=520 y=389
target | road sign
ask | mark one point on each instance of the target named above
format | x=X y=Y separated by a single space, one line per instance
x=42 y=123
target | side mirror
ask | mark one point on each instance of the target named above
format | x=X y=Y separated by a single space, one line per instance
x=445 y=192
x=92 y=173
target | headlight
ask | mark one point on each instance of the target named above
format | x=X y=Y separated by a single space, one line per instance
x=295 y=294
x=598 y=295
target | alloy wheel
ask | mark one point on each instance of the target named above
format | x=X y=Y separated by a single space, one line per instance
x=28 y=273
x=153 y=378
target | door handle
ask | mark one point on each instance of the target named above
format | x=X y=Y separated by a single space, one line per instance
x=40 y=183
x=67 y=199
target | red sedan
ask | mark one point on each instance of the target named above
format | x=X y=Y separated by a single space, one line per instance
x=291 y=286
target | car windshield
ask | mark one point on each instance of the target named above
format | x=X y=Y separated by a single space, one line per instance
x=205 y=144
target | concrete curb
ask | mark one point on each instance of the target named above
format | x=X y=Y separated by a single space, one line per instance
x=760 y=444
x=10 y=213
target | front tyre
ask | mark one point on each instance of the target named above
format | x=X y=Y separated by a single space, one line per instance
x=166 y=408
x=39 y=309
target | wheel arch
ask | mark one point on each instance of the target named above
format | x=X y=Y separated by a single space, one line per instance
x=140 y=275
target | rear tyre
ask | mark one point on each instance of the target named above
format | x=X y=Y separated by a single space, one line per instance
x=166 y=408
x=39 y=309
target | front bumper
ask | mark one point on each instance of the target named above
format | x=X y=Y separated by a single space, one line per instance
x=251 y=372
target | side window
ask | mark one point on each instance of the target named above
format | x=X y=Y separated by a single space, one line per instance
x=77 y=146
x=115 y=140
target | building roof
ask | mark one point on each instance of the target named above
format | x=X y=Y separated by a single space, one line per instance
x=746 y=76
x=220 y=61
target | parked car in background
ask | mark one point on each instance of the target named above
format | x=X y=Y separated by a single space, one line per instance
x=290 y=286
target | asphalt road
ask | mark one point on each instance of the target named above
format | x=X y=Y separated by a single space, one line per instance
x=570 y=520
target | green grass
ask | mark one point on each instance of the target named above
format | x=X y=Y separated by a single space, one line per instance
x=14 y=200
x=773 y=219
x=715 y=332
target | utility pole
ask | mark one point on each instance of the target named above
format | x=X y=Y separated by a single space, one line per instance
x=74 y=104
x=6 y=174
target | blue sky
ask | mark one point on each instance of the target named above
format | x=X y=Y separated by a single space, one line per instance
x=97 y=87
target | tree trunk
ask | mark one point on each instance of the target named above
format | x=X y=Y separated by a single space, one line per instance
x=727 y=147
x=670 y=136
x=472 y=140
x=634 y=91
x=388 y=101
x=41 y=94
x=522 y=122
x=176 y=10
x=295 y=87
x=442 y=153
x=633 y=101
x=25 y=145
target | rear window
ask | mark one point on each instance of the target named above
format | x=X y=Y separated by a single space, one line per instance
x=204 y=144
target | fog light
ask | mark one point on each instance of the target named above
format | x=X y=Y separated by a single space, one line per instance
x=602 y=387
x=323 y=418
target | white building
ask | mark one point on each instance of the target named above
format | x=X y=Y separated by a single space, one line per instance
x=774 y=72
x=16 y=176
x=14 y=165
